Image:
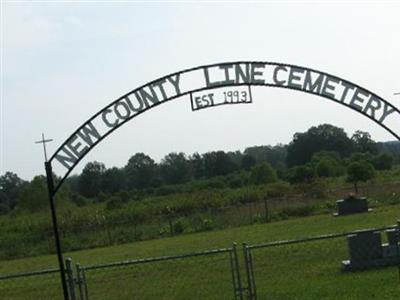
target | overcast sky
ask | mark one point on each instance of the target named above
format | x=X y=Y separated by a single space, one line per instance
x=64 y=61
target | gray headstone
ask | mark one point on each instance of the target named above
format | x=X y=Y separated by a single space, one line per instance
x=392 y=236
x=352 y=205
x=364 y=248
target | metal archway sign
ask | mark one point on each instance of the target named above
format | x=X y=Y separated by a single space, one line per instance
x=208 y=86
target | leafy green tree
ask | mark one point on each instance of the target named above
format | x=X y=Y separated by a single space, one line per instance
x=175 y=168
x=248 y=162
x=197 y=166
x=236 y=157
x=4 y=206
x=218 y=163
x=90 y=180
x=359 y=156
x=73 y=183
x=363 y=142
x=11 y=185
x=274 y=155
x=323 y=137
x=141 y=171
x=332 y=155
x=326 y=168
x=301 y=174
x=263 y=174
x=113 y=180
x=34 y=197
x=383 y=161
x=359 y=171
x=327 y=164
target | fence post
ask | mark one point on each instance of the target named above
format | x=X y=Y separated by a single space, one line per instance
x=237 y=284
x=266 y=210
x=253 y=282
x=248 y=260
x=246 y=263
x=80 y=282
x=70 y=278
x=397 y=246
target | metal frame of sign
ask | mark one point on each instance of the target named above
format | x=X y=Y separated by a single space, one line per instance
x=233 y=74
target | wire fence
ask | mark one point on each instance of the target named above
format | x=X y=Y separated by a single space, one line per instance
x=201 y=275
x=353 y=265
x=44 y=284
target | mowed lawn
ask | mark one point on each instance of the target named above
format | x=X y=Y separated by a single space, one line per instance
x=302 y=271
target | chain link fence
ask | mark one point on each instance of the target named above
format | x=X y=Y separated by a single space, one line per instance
x=354 y=265
x=43 y=284
x=201 y=275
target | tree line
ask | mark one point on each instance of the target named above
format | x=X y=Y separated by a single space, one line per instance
x=321 y=151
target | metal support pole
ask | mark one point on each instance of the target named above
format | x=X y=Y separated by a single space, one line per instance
x=50 y=187
x=80 y=281
x=249 y=282
x=236 y=274
x=71 y=278
x=397 y=246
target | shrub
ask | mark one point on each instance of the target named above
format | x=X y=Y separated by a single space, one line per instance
x=383 y=161
x=298 y=210
x=300 y=174
x=206 y=224
x=115 y=202
x=278 y=189
x=178 y=226
x=79 y=200
x=263 y=174
x=326 y=168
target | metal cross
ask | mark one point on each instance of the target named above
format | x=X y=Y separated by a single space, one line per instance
x=43 y=141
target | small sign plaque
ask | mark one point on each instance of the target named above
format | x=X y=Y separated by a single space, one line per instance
x=221 y=96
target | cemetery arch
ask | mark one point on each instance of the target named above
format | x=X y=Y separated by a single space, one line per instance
x=208 y=86
x=216 y=78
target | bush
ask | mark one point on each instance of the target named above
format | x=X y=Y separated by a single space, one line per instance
x=79 y=200
x=326 y=168
x=207 y=224
x=178 y=226
x=383 y=161
x=301 y=174
x=263 y=174
x=298 y=210
x=278 y=189
x=115 y=202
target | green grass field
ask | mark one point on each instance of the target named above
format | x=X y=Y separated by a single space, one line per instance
x=303 y=271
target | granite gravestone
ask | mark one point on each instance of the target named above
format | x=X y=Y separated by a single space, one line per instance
x=351 y=205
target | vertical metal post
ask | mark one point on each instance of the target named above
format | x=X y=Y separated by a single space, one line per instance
x=50 y=187
x=397 y=246
x=71 y=279
x=236 y=274
x=253 y=282
x=233 y=274
x=79 y=280
x=85 y=284
x=246 y=261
